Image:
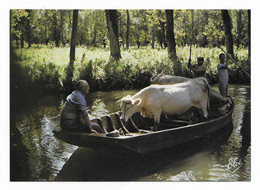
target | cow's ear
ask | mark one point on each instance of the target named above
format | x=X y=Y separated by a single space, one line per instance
x=137 y=101
x=126 y=99
x=119 y=101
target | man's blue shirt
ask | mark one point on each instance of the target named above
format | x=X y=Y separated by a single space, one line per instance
x=75 y=106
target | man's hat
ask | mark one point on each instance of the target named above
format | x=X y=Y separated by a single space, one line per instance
x=200 y=58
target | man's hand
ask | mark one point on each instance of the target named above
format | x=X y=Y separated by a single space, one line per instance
x=87 y=123
x=93 y=131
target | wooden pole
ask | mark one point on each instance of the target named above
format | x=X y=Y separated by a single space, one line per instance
x=233 y=60
x=192 y=21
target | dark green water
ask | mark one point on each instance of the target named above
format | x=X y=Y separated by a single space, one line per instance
x=36 y=155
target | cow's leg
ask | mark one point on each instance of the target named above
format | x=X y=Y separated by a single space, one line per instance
x=205 y=109
x=157 y=118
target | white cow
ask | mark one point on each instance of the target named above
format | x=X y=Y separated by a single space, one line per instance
x=216 y=100
x=167 y=79
x=168 y=99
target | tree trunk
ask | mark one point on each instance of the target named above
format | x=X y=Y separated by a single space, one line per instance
x=153 y=36
x=170 y=35
x=249 y=34
x=68 y=83
x=94 y=42
x=61 y=27
x=127 y=28
x=28 y=28
x=55 y=29
x=23 y=30
x=46 y=27
x=228 y=35
x=112 y=24
x=73 y=36
x=171 y=42
x=239 y=27
x=162 y=35
x=145 y=30
x=22 y=37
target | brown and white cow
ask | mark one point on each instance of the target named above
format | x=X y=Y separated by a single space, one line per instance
x=174 y=99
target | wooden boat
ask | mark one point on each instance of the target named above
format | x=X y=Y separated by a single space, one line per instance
x=136 y=134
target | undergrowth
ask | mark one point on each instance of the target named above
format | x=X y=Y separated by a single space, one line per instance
x=45 y=67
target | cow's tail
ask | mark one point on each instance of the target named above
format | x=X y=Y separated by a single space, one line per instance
x=155 y=78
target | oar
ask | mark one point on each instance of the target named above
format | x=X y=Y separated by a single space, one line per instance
x=234 y=61
x=189 y=64
x=192 y=22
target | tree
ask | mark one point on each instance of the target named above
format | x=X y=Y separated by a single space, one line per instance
x=161 y=36
x=153 y=36
x=153 y=25
x=239 y=27
x=170 y=35
x=171 y=42
x=55 y=32
x=214 y=29
x=62 y=20
x=18 y=26
x=22 y=32
x=46 y=26
x=112 y=25
x=228 y=35
x=73 y=36
x=143 y=28
x=127 y=28
x=202 y=20
x=249 y=33
x=22 y=27
x=28 y=28
x=70 y=67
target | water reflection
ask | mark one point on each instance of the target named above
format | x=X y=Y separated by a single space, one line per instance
x=91 y=165
x=105 y=102
x=45 y=154
x=44 y=158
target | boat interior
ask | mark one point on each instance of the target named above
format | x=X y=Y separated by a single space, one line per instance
x=138 y=124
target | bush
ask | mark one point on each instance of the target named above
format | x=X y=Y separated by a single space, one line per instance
x=237 y=75
x=45 y=77
x=45 y=68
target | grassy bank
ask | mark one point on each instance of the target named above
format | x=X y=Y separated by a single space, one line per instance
x=45 y=67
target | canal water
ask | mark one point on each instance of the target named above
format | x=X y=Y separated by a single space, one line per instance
x=36 y=155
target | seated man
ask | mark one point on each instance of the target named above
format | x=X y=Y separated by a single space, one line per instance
x=74 y=116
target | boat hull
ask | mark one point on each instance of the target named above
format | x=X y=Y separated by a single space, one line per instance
x=145 y=143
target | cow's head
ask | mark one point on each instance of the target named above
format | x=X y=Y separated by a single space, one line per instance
x=129 y=106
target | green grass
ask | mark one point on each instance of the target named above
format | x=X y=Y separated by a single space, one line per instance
x=44 y=65
x=143 y=56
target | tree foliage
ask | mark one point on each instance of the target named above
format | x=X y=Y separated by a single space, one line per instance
x=144 y=34
x=146 y=27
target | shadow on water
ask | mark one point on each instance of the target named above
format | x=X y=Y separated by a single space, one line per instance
x=245 y=150
x=36 y=155
x=18 y=170
x=92 y=165
x=246 y=128
x=29 y=140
